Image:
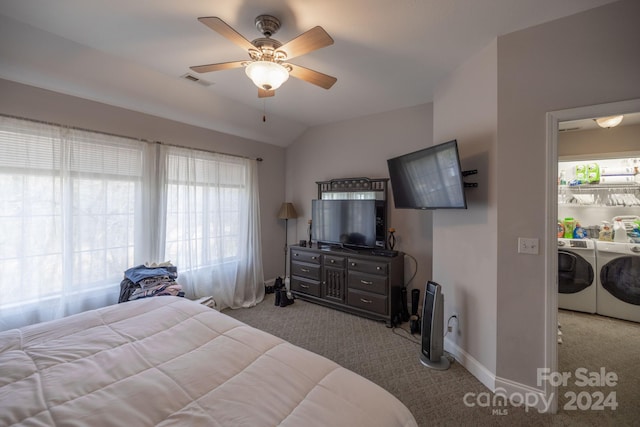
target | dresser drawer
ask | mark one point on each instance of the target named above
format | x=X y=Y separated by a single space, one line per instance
x=367 y=301
x=309 y=271
x=307 y=286
x=334 y=261
x=370 y=267
x=368 y=282
x=303 y=256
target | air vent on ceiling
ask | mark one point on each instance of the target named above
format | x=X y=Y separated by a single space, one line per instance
x=195 y=79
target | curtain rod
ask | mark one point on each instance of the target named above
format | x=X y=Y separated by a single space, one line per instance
x=258 y=159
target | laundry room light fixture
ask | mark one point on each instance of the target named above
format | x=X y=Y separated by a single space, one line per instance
x=267 y=75
x=609 y=122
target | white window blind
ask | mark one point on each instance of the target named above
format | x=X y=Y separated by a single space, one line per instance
x=80 y=207
x=67 y=216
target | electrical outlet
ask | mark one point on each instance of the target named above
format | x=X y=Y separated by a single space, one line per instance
x=528 y=245
x=454 y=318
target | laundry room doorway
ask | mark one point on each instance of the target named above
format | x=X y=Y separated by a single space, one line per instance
x=576 y=319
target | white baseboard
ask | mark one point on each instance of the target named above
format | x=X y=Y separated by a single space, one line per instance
x=520 y=393
x=516 y=392
x=477 y=369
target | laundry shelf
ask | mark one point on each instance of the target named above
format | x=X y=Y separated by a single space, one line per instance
x=599 y=187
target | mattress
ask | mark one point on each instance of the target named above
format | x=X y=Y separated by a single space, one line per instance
x=168 y=361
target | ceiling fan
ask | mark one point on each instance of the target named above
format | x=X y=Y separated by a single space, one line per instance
x=267 y=67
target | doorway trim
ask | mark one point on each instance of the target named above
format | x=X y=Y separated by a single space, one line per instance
x=551 y=243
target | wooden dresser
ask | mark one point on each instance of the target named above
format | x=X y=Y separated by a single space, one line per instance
x=356 y=282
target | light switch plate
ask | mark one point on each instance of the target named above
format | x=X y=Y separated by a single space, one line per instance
x=528 y=245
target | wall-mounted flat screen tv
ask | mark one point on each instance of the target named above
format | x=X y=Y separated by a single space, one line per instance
x=350 y=223
x=428 y=179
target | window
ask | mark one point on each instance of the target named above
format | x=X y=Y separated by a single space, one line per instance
x=78 y=208
x=67 y=211
x=204 y=198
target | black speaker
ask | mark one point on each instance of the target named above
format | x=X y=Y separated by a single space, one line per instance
x=414 y=324
x=404 y=313
x=414 y=320
x=415 y=300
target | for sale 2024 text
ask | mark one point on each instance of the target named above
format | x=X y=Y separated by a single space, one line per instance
x=584 y=400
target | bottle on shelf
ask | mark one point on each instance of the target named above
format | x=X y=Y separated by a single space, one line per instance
x=579 y=232
x=569 y=226
x=606 y=234
x=619 y=232
x=563 y=177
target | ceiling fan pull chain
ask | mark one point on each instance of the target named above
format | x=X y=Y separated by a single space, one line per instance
x=264 y=110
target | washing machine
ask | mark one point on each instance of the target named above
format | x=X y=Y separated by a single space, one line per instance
x=577 y=283
x=618 y=280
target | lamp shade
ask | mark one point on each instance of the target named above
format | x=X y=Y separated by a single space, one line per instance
x=609 y=122
x=287 y=211
x=267 y=75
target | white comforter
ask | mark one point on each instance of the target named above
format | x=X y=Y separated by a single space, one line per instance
x=169 y=361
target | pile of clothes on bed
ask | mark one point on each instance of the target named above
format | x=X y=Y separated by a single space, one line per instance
x=150 y=280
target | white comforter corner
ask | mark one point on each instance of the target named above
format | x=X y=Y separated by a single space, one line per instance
x=167 y=361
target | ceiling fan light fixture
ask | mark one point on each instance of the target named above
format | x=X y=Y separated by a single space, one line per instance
x=609 y=122
x=267 y=75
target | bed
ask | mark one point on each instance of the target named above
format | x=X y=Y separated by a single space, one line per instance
x=168 y=361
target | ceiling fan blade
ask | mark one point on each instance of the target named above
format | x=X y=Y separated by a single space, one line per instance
x=314 y=77
x=222 y=28
x=309 y=41
x=265 y=93
x=217 y=67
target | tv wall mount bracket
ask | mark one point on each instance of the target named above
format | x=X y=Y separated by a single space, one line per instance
x=470 y=184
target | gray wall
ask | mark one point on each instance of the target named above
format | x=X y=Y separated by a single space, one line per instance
x=360 y=148
x=39 y=104
x=465 y=241
x=496 y=106
x=585 y=59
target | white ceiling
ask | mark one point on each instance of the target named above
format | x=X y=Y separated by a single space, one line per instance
x=388 y=54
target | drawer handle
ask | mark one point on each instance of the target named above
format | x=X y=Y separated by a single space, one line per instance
x=353 y=264
x=296 y=254
x=314 y=257
x=366 y=282
x=378 y=268
x=304 y=270
x=333 y=261
x=366 y=301
x=304 y=286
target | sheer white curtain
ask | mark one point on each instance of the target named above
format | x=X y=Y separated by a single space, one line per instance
x=212 y=225
x=67 y=219
x=78 y=208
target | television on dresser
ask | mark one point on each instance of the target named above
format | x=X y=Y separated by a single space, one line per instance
x=344 y=223
x=430 y=178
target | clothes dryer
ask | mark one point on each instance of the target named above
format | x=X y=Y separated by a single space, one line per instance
x=577 y=283
x=618 y=280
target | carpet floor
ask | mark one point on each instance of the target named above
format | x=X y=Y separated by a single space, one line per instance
x=390 y=358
